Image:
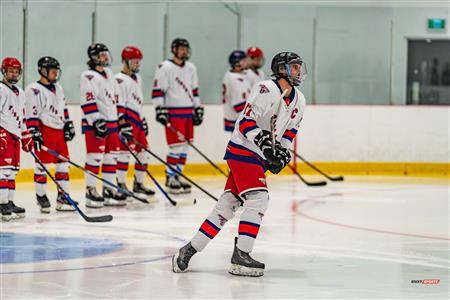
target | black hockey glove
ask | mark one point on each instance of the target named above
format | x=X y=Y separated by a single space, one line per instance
x=69 y=131
x=100 y=128
x=36 y=136
x=198 y=115
x=283 y=157
x=125 y=129
x=145 y=126
x=162 y=115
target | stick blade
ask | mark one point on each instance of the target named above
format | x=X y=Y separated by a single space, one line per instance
x=98 y=219
x=338 y=178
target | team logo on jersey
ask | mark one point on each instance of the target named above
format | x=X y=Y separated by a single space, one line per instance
x=222 y=220
x=35 y=91
x=119 y=81
x=8 y=160
x=241 y=79
x=263 y=180
x=263 y=89
x=89 y=77
x=294 y=113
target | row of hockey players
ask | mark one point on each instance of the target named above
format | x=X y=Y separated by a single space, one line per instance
x=112 y=115
x=113 y=104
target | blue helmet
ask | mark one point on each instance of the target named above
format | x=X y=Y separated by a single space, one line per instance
x=235 y=57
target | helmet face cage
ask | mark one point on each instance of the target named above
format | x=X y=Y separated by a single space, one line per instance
x=133 y=65
x=132 y=56
x=11 y=63
x=281 y=67
x=96 y=51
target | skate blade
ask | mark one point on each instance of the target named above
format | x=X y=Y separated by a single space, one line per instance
x=6 y=218
x=16 y=216
x=65 y=208
x=94 y=204
x=45 y=210
x=112 y=202
x=174 y=191
x=245 y=271
x=185 y=191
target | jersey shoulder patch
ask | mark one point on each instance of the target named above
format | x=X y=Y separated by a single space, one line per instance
x=119 y=80
x=89 y=77
x=35 y=91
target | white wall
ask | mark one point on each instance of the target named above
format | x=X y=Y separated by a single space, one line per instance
x=327 y=134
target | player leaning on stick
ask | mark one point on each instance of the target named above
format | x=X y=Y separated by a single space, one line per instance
x=47 y=114
x=100 y=126
x=175 y=95
x=250 y=152
x=130 y=109
x=13 y=131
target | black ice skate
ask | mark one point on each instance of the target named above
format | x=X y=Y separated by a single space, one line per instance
x=43 y=203
x=6 y=212
x=124 y=187
x=17 y=212
x=62 y=204
x=93 y=198
x=141 y=189
x=180 y=261
x=173 y=185
x=244 y=265
x=114 y=198
x=185 y=187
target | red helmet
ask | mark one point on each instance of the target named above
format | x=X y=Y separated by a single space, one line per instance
x=11 y=62
x=254 y=52
x=130 y=52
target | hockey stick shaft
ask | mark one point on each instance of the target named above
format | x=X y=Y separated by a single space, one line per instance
x=184 y=139
x=174 y=170
x=149 y=174
x=65 y=159
x=105 y=218
x=319 y=183
x=337 y=178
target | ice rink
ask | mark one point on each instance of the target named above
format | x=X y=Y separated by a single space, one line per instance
x=366 y=237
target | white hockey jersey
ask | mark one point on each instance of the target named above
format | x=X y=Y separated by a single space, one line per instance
x=47 y=104
x=176 y=87
x=130 y=97
x=12 y=109
x=254 y=76
x=98 y=99
x=235 y=89
x=256 y=116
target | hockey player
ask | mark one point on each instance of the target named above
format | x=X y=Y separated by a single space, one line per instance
x=255 y=62
x=235 y=89
x=47 y=114
x=12 y=130
x=250 y=152
x=130 y=109
x=175 y=95
x=100 y=126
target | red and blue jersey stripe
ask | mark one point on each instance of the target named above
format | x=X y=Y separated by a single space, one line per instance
x=290 y=134
x=239 y=107
x=66 y=113
x=247 y=125
x=157 y=93
x=32 y=122
x=120 y=109
x=240 y=153
x=181 y=112
x=134 y=117
x=229 y=125
x=89 y=108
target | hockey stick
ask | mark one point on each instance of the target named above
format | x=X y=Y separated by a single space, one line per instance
x=174 y=170
x=105 y=218
x=65 y=159
x=184 y=139
x=335 y=178
x=173 y=202
x=308 y=183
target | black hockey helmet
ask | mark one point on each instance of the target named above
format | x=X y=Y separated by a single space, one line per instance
x=180 y=42
x=281 y=67
x=94 y=51
x=45 y=64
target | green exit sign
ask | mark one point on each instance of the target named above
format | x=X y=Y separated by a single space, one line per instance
x=436 y=23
